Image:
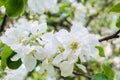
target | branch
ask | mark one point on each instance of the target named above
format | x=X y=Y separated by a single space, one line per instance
x=115 y=35
x=3 y=23
x=81 y=74
x=90 y=18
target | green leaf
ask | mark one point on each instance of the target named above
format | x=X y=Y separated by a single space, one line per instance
x=101 y=51
x=118 y=22
x=6 y=52
x=13 y=64
x=6 y=55
x=67 y=9
x=15 y=8
x=1 y=44
x=78 y=61
x=108 y=71
x=2 y=2
x=99 y=76
x=116 y=8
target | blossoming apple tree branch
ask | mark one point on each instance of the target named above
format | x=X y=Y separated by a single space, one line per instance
x=115 y=35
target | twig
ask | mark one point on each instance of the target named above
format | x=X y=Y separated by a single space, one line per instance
x=90 y=19
x=75 y=73
x=81 y=74
x=68 y=22
x=115 y=35
x=3 y=23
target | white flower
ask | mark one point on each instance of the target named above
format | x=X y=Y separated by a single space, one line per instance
x=23 y=39
x=66 y=68
x=27 y=55
x=2 y=9
x=23 y=33
x=31 y=42
x=40 y=6
x=78 y=43
x=18 y=74
x=42 y=18
x=51 y=45
x=47 y=66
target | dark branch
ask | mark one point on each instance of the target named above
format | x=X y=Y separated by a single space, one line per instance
x=115 y=35
x=90 y=19
x=81 y=74
x=3 y=24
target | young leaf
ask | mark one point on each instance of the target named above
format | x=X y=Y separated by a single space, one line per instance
x=13 y=64
x=6 y=52
x=99 y=76
x=6 y=56
x=15 y=8
x=116 y=8
x=118 y=22
x=101 y=51
x=108 y=71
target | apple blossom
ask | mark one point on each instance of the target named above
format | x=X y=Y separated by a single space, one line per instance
x=48 y=37
x=23 y=40
x=78 y=43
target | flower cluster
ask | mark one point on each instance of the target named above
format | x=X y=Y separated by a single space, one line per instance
x=32 y=43
x=40 y=6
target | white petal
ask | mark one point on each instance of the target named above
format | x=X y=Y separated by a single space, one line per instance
x=47 y=36
x=43 y=66
x=52 y=46
x=40 y=54
x=62 y=35
x=72 y=58
x=58 y=59
x=82 y=57
x=50 y=70
x=29 y=62
x=16 y=57
x=66 y=68
x=62 y=56
x=43 y=27
x=78 y=27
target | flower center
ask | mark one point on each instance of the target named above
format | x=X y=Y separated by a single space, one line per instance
x=74 y=45
x=32 y=52
x=61 y=49
x=30 y=39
